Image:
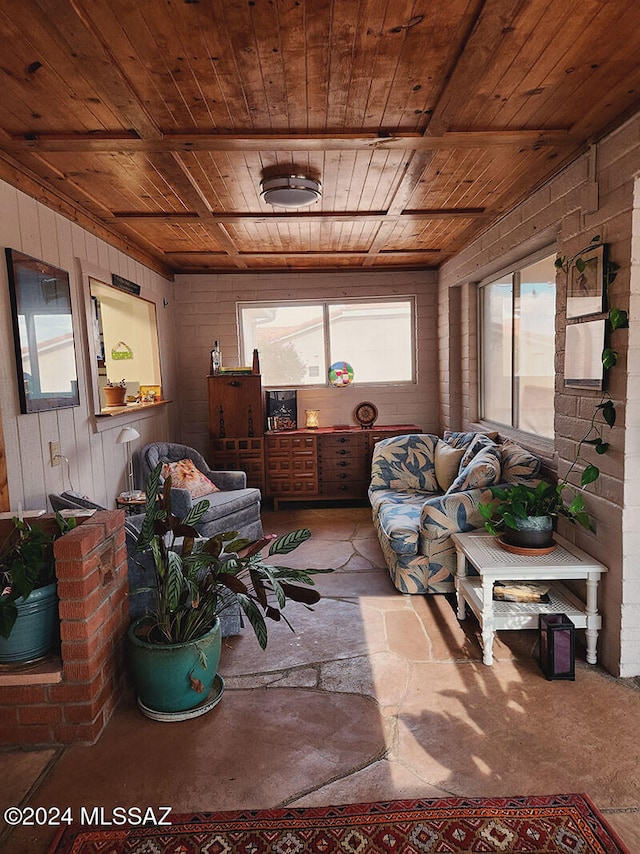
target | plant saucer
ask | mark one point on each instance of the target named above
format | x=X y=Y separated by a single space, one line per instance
x=212 y=699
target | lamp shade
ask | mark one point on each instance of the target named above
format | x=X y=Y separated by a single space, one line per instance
x=290 y=191
x=126 y=435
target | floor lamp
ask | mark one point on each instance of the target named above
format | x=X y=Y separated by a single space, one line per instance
x=125 y=437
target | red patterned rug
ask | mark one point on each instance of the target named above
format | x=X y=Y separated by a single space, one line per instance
x=557 y=824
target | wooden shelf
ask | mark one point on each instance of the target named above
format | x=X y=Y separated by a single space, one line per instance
x=129 y=408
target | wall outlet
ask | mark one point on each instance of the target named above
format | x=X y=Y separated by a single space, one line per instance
x=54 y=453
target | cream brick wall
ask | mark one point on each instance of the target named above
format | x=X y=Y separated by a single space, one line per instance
x=206 y=310
x=594 y=195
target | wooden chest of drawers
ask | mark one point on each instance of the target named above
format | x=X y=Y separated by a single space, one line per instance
x=324 y=464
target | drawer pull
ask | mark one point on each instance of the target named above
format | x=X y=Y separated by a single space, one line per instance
x=342 y=452
x=343 y=463
x=342 y=439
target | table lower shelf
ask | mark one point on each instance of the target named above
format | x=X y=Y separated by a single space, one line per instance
x=524 y=615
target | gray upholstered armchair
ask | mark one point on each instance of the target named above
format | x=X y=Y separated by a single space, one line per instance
x=232 y=506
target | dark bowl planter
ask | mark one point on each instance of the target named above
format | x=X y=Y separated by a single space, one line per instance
x=534 y=532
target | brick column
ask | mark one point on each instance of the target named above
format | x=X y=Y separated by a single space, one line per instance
x=72 y=700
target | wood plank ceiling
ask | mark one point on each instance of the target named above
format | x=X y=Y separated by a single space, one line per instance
x=152 y=122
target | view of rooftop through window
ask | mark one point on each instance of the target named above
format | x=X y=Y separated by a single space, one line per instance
x=297 y=342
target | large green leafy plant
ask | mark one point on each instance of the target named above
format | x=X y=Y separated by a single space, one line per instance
x=196 y=579
x=26 y=564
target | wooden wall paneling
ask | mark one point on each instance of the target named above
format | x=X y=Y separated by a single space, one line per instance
x=4 y=483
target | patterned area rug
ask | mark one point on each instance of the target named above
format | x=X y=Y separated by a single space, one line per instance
x=558 y=824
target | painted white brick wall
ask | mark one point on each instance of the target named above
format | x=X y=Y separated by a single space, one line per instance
x=594 y=195
x=206 y=310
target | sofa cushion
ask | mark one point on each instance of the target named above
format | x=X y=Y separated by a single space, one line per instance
x=405 y=463
x=481 y=471
x=477 y=443
x=464 y=439
x=517 y=464
x=185 y=475
x=447 y=464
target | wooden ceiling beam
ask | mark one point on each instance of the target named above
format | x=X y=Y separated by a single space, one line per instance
x=322 y=253
x=320 y=217
x=552 y=137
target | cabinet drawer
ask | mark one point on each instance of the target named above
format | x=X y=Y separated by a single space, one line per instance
x=344 y=467
x=344 y=488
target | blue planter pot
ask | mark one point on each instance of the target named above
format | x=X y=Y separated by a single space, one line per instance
x=174 y=677
x=36 y=631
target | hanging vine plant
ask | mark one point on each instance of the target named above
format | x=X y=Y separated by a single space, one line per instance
x=617 y=318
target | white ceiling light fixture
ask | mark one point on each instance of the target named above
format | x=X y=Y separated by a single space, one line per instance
x=290 y=191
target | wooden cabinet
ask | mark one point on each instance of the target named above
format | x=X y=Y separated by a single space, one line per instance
x=235 y=406
x=236 y=425
x=324 y=464
x=291 y=463
x=240 y=455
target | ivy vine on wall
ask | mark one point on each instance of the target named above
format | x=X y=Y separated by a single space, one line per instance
x=604 y=414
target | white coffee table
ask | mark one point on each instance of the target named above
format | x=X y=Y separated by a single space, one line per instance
x=493 y=563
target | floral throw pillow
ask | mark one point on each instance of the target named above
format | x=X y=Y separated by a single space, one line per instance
x=185 y=475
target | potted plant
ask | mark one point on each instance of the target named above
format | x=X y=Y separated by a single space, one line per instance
x=29 y=623
x=114 y=393
x=175 y=649
x=523 y=514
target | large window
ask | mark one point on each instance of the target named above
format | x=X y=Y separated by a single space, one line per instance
x=299 y=341
x=517 y=341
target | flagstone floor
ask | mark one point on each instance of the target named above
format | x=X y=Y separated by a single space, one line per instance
x=374 y=696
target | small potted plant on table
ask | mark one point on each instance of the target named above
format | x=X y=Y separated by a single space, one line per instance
x=522 y=515
x=175 y=650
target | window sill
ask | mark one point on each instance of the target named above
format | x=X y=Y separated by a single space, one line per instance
x=128 y=412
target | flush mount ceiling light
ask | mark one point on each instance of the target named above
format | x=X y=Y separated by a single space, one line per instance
x=290 y=191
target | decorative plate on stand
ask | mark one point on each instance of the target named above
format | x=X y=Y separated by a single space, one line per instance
x=366 y=414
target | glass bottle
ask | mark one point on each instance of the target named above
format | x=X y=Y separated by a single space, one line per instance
x=216 y=358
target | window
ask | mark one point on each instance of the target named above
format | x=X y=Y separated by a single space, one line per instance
x=517 y=347
x=299 y=341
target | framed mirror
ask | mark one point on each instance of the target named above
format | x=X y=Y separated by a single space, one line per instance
x=43 y=334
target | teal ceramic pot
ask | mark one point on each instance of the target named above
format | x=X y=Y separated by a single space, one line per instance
x=534 y=532
x=36 y=631
x=174 y=677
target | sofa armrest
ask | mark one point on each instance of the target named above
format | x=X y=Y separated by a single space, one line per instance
x=456 y=513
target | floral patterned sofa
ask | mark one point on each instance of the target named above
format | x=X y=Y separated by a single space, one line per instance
x=424 y=488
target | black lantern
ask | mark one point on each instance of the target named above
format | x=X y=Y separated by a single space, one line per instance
x=557 y=646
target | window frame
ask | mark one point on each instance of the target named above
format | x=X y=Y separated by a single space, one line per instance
x=325 y=305
x=513 y=270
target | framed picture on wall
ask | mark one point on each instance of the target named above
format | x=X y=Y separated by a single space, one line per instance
x=43 y=334
x=585 y=294
x=584 y=343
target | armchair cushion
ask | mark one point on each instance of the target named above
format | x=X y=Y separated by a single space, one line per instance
x=184 y=475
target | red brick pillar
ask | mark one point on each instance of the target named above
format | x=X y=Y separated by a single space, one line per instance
x=76 y=702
